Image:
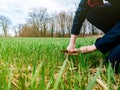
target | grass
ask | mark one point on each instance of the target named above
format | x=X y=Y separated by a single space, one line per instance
x=38 y=64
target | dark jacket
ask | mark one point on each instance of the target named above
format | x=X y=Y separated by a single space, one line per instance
x=79 y=17
x=81 y=12
x=115 y=3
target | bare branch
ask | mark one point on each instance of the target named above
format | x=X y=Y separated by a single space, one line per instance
x=4 y=23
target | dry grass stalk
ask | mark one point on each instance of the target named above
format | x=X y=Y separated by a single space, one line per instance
x=100 y=82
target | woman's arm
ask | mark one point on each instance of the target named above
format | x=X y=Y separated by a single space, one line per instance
x=72 y=41
x=80 y=16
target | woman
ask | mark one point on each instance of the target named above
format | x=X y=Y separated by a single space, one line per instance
x=106 y=17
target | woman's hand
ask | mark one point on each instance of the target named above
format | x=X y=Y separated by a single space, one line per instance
x=70 y=46
x=87 y=49
x=72 y=42
x=75 y=50
x=83 y=49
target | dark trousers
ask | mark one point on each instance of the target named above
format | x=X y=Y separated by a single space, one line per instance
x=107 y=19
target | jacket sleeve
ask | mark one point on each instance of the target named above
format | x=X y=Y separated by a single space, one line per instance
x=79 y=17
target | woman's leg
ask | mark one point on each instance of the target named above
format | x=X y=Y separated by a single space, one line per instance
x=114 y=58
x=110 y=40
x=108 y=20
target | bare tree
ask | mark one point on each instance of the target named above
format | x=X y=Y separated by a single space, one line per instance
x=4 y=23
x=36 y=16
x=61 y=21
x=93 y=29
x=20 y=27
x=45 y=26
x=84 y=26
x=15 y=30
x=69 y=20
x=57 y=26
x=52 y=26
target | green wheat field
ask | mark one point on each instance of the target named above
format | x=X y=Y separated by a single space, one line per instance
x=38 y=64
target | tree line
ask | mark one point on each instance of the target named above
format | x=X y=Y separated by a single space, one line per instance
x=40 y=24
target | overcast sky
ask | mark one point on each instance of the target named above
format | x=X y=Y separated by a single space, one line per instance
x=17 y=10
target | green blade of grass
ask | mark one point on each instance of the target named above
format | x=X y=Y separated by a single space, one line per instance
x=35 y=75
x=92 y=83
x=60 y=74
x=49 y=83
x=51 y=80
x=10 y=78
x=110 y=74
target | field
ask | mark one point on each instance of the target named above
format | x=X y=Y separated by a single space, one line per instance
x=38 y=64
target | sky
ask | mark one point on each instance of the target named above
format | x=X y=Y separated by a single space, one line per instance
x=17 y=10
